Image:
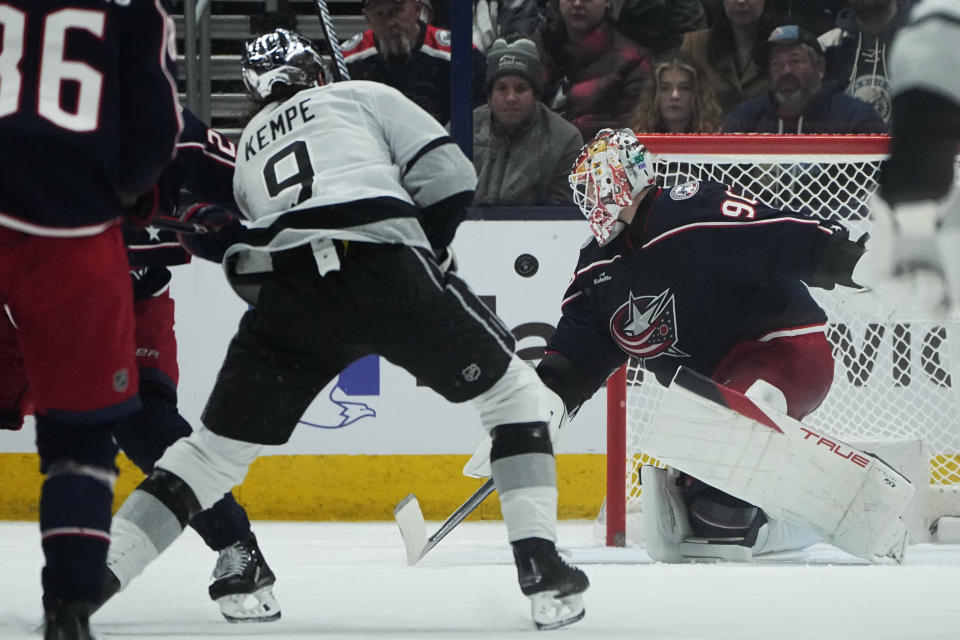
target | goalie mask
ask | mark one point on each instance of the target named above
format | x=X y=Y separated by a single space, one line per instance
x=281 y=57
x=610 y=171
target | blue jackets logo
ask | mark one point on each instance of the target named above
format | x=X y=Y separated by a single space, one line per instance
x=685 y=190
x=645 y=327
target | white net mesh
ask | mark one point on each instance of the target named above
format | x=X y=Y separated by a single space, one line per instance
x=893 y=380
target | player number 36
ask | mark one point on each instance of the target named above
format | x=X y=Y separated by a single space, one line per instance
x=55 y=69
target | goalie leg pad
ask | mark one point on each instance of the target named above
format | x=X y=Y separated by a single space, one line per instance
x=666 y=522
x=736 y=531
x=776 y=463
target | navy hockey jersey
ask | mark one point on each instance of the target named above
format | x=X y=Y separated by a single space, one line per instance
x=699 y=270
x=424 y=76
x=88 y=110
x=204 y=167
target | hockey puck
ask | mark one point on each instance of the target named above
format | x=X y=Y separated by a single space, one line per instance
x=526 y=265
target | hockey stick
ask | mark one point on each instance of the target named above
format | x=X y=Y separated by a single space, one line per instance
x=175 y=224
x=340 y=71
x=413 y=529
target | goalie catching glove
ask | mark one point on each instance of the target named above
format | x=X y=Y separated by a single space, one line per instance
x=223 y=231
x=837 y=259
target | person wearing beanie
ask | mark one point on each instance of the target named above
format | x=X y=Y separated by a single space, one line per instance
x=522 y=150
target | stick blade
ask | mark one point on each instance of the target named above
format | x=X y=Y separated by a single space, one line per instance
x=413 y=529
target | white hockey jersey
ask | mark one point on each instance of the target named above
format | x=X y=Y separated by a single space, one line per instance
x=351 y=161
x=924 y=54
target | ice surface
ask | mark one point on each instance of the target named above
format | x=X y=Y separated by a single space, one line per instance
x=351 y=581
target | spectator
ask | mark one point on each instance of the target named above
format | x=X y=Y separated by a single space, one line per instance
x=401 y=50
x=678 y=100
x=856 y=50
x=522 y=151
x=492 y=19
x=659 y=25
x=726 y=52
x=816 y=16
x=798 y=100
x=594 y=74
x=508 y=19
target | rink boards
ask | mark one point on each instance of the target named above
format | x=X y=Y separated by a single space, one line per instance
x=374 y=435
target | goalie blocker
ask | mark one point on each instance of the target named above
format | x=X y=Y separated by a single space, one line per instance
x=800 y=478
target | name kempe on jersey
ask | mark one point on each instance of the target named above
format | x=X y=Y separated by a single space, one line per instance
x=699 y=270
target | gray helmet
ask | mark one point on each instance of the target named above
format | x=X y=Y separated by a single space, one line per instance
x=280 y=57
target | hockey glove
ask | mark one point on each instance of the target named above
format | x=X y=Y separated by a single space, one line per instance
x=11 y=419
x=143 y=207
x=836 y=261
x=223 y=230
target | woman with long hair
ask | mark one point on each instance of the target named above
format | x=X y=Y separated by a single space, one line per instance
x=678 y=100
x=726 y=51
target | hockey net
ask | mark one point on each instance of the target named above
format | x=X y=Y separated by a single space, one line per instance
x=893 y=380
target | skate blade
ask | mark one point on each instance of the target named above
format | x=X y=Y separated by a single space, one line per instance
x=259 y=606
x=550 y=612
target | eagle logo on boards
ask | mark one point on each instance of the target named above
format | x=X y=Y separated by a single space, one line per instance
x=646 y=327
x=334 y=410
x=685 y=190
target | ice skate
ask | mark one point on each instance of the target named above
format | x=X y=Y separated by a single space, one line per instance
x=554 y=587
x=242 y=584
x=67 y=621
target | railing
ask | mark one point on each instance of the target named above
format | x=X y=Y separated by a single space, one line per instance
x=210 y=78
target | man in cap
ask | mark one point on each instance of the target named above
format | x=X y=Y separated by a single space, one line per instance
x=799 y=101
x=522 y=150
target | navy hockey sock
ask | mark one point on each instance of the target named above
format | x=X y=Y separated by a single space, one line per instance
x=75 y=529
x=75 y=503
x=145 y=435
x=223 y=524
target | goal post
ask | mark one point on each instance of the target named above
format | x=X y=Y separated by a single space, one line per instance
x=894 y=380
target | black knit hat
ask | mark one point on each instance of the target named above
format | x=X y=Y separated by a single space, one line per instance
x=519 y=58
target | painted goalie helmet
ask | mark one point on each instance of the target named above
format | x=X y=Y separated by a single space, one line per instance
x=281 y=57
x=610 y=171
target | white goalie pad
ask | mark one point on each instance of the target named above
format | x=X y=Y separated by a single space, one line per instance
x=669 y=538
x=850 y=498
x=478 y=466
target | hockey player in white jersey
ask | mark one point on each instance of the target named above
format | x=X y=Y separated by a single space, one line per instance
x=354 y=194
x=914 y=261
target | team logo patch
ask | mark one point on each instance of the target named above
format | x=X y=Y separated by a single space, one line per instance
x=121 y=380
x=471 y=373
x=685 y=190
x=646 y=326
x=352 y=43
